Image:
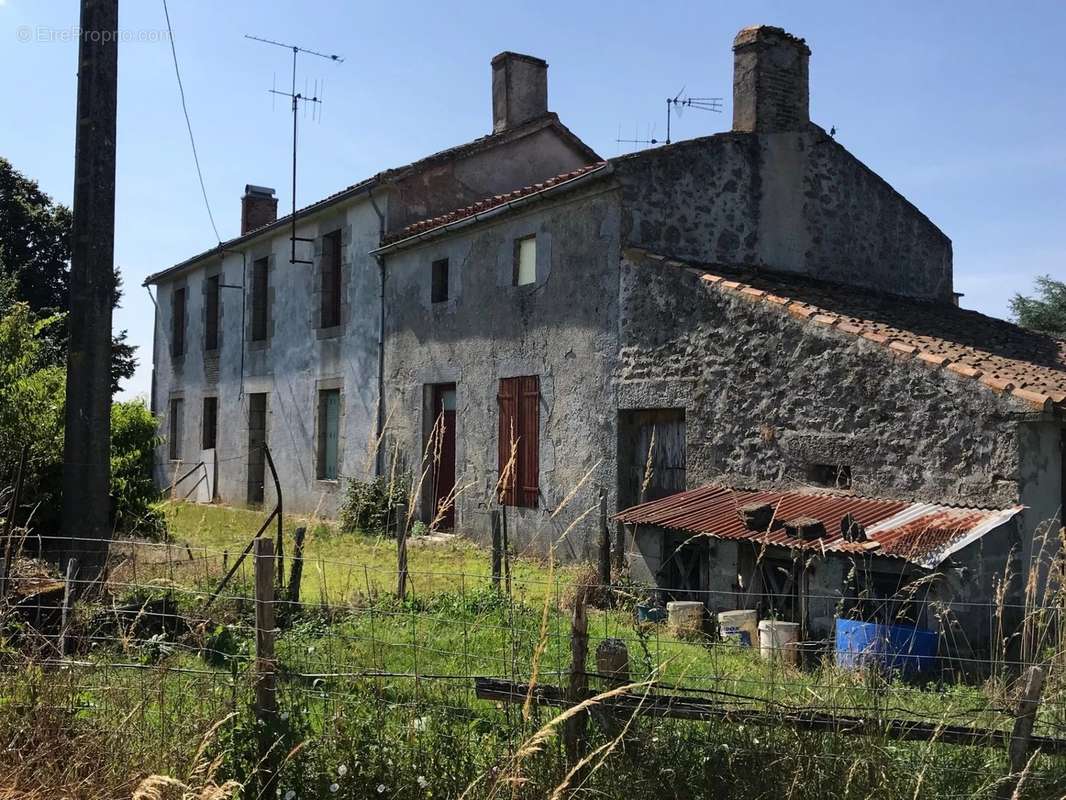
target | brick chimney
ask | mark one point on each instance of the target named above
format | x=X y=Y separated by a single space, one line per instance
x=519 y=90
x=770 y=89
x=259 y=207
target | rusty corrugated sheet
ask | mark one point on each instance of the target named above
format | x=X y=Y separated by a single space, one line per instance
x=923 y=533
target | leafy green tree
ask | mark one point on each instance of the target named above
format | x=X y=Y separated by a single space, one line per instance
x=133 y=443
x=1046 y=312
x=35 y=259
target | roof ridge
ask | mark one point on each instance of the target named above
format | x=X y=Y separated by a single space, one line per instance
x=1017 y=386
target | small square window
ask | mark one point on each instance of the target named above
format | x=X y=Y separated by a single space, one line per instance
x=525 y=261
x=440 y=280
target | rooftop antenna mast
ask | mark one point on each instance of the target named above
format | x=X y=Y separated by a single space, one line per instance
x=676 y=105
x=297 y=98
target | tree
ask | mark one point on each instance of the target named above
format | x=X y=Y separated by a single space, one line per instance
x=1046 y=312
x=35 y=259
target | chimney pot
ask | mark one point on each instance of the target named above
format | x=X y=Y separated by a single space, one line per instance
x=770 y=84
x=259 y=207
x=806 y=528
x=519 y=90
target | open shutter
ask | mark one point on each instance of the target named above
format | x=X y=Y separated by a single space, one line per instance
x=529 y=441
x=508 y=400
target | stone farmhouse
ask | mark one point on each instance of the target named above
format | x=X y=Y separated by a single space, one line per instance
x=738 y=319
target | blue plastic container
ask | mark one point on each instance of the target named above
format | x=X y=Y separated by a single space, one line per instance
x=646 y=612
x=901 y=648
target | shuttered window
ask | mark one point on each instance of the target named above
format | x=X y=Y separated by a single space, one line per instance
x=519 y=441
x=211 y=312
x=525 y=261
x=329 y=415
x=177 y=322
x=260 y=309
x=257 y=408
x=330 y=311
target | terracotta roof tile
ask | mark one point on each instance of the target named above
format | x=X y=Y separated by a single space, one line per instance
x=1004 y=357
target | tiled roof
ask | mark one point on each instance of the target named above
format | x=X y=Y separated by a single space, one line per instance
x=487 y=204
x=922 y=533
x=1000 y=355
x=549 y=120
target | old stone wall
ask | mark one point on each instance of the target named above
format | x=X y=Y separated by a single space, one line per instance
x=563 y=328
x=766 y=395
x=791 y=202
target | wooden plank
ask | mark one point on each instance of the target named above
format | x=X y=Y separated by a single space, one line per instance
x=698 y=709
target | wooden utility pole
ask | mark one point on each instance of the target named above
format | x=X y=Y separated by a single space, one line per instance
x=87 y=442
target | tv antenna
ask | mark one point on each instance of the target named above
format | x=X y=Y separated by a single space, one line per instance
x=297 y=98
x=676 y=105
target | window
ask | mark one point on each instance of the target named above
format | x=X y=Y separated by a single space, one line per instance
x=330 y=311
x=211 y=311
x=260 y=311
x=440 y=280
x=525 y=261
x=177 y=410
x=177 y=322
x=257 y=407
x=836 y=476
x=209 y=423
x=329 y=415
x=519 y=441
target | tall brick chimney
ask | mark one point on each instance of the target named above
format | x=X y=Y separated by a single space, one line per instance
x=259 y=207
x=519 y=90
x=770 y=87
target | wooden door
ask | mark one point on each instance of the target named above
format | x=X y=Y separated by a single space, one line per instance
x=444 y=465
x=651 y=454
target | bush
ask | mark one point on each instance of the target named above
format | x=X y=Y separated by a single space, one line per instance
x=370 y=506
x=133 y=490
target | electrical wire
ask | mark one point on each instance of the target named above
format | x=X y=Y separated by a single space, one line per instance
x=188 y=123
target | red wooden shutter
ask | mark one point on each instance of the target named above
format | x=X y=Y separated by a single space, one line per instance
x=508 y=400
x=529 y=441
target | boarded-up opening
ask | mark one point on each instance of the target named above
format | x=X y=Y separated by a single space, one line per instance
x=260 y=297
x=211 y=296
x=651 y=454
x=209 y=423
x=177 y=413
x=177 y=322
x=256 y=440
x=330 y=309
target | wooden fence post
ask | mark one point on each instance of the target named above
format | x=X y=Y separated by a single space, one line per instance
x=1024 y=717
x=605 y=545
x=619 y=547
x=497 y=548
x=266 y=699
x=401 y=551
x=296 y=571
x=69 y=593
x=505 y=550
x=577 y=690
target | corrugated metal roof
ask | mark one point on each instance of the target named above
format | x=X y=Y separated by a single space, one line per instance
x=922 y=533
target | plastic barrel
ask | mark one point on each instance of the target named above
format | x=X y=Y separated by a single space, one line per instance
x=777 y=639
x=890 y=647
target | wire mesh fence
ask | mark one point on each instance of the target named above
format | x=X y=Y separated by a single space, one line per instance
x=461 y=688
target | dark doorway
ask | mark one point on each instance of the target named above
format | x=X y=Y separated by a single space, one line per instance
x=651 y=454
x=444 y=455
x=256 y=441
x=684 y=571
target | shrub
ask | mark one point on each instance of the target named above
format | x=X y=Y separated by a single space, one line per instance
x=133 y=490
x=370 y=506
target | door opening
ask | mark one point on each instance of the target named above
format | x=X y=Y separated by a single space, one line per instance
x=444 y=456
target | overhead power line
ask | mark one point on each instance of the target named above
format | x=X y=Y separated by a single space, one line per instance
x=188 y=123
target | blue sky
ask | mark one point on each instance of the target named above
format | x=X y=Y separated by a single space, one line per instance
x=958 y=105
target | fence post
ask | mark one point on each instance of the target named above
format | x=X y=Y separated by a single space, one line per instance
x=605 y=545
x=1024 y=717
x=577 y=690
x=505 y=549
x=296 y=571
x=401 y=551
x=69 y=593
x=266 y=700
x=497 y=548
x=619 y=547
